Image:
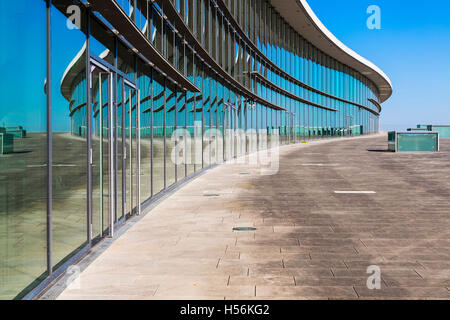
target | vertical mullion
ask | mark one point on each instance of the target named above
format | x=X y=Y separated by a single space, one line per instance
x=203 y=120
x=88 y=123
x=151 y=132
x=164 y=132
x=194 y=109
x=185 y=153
x=138 y=136
x=124 y=151
x=223 y=120
x=49 y=145
x=138 y=156
x=116 y=134
x=112 y=194
x=175 y=130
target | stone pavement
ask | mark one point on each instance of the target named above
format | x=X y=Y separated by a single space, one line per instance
x=309 y=242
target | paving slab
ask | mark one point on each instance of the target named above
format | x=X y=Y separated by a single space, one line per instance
x=309 y=242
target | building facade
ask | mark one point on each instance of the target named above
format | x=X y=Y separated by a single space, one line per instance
x=107 y=104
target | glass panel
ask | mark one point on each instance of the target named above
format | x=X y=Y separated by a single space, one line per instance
x=206 y=118
x=156 y=35
x=213 y=118
x=170 y=39
x=125 y=60
x=254 y=136
x=69 y=208
x=100 y=109
x=158 y=132
x=214 y=30
x=127 y=6
x=190 y=111
x=130 y=114
x=141 y=15
x=190 y=127
x=23 y=146
x=207 y=25
x=219 y=117
x=200 y=21
x=269 y=128
x=180 y=48
x=227 y=128
x=198 y=103
x=190 y=14
x=241 y=127
x=134 y=148
x=182 y=138
x=101 y=42
x=145 y=86
x=120 y=150
x=169 y=130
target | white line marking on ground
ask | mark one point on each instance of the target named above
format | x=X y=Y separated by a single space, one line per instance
x=319 y=164
x=55 y=165
x=355 y=192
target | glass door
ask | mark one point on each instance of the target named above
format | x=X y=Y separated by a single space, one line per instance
x=115 y=153
x=101 y=152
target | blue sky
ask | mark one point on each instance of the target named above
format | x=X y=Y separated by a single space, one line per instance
x=412 y=48
x=25 y=66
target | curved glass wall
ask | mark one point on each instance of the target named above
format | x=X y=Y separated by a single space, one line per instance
x=122 y=132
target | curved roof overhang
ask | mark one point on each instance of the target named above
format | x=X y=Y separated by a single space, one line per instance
x=302 y=18
x=74 y=68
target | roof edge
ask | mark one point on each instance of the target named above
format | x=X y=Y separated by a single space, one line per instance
x=318 y=36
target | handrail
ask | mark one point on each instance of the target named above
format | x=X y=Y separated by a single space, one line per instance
x=374 y=102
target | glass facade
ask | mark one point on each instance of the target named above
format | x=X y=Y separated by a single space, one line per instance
x=23 y=169
x=103 y=127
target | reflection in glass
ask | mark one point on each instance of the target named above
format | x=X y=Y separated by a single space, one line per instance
x=130 y=115
x=206 y=119
x=213 y=118
x=181 y=136
x=171 y=94
x=100 y=114
x=119 y=133
x=198 y=116
x=219 y=115
x=69 y=137
x=23 y=156
x=158 y=132
x=145 y=86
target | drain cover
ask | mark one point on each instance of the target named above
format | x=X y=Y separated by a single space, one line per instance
x=244 y=229
x=244 y=173
x=211 y=195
